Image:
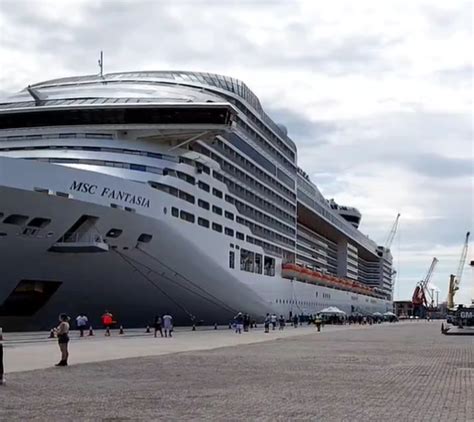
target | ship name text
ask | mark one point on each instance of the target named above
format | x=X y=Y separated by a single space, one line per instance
x=106 y=192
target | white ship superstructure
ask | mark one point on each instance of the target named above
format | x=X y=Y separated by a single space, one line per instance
x=152 y=192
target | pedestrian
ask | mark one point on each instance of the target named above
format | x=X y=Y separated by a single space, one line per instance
x=62 y=331
x=295 y=321
x=239 y=323
x=107 y=322
x=281 y=322
x=318 y=322
x=246 y=322
x=2 y=371
x=266 y=323
x=273 y=320
x=158 y=325
x=168 y=325
x=81 y=323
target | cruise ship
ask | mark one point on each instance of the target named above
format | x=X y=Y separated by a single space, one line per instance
x=168 y=191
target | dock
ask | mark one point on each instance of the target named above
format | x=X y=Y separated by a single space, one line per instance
x=404 y=371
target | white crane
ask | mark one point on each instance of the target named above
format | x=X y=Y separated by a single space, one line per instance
x=455 y=280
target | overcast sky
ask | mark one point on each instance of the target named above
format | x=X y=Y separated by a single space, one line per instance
x=376 y=94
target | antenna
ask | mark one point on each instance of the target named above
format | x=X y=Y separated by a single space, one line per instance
x=101 y=64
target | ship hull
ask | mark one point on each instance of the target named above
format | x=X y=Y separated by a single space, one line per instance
x=181 y=270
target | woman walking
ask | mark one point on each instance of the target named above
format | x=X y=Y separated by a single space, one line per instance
x=63 y=338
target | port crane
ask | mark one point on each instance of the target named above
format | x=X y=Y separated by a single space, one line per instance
x=455 y=280
x=390 y=237
x=423 y=296
x=461 y=316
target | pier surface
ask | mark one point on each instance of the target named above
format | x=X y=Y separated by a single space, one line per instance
x=391 y=372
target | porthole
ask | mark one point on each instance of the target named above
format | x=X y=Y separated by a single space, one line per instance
x=145 y=238
x=114 y=233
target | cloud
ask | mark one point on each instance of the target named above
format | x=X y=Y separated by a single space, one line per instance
x=377 y=95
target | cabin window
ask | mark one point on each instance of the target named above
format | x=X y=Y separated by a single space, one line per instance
x=174 y=212
x=229 y=232
x=217 y=227
x=203 y=222
x=186 y=216
x=231 y=259
x=269 y=266
x=246 y=260
x=216 y=210
x=217 y=192
x=204 y=186
x=229 y=215
x=203 y=204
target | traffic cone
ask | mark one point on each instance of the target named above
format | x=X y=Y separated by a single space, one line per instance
x=52 y=333
x=121 y=330
x=147 y=329
x=91 y=331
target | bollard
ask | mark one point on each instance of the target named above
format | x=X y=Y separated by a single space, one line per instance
x=147 y=329
x=52 y=333
x=121 y=330
x=2 y=379
x=230 y=326
x=215 y=326
x=91 y=331
x=194 y=327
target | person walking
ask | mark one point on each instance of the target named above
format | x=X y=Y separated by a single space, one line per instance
x=81 y=323
x=281 y=322
x=246 y=322
x=63 y=339
x=168 y=325
x=107 y=322
x=318 y=322
x=273 y=320
x=158 y=325
x=295 y=321
x=266 y=323
x=239 y=323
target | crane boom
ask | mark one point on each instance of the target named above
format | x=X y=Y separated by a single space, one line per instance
x=455 y=280
x=393 y=231
x=421 y=289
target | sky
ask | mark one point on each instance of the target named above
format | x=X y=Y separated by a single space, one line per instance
x=377 y=95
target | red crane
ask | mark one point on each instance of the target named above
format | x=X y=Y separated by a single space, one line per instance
x=422 y=293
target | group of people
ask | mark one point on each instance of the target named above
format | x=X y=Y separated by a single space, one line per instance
x=162 y=324
x=242 y=323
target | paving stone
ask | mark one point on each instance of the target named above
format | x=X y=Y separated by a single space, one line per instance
x=396 y=372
